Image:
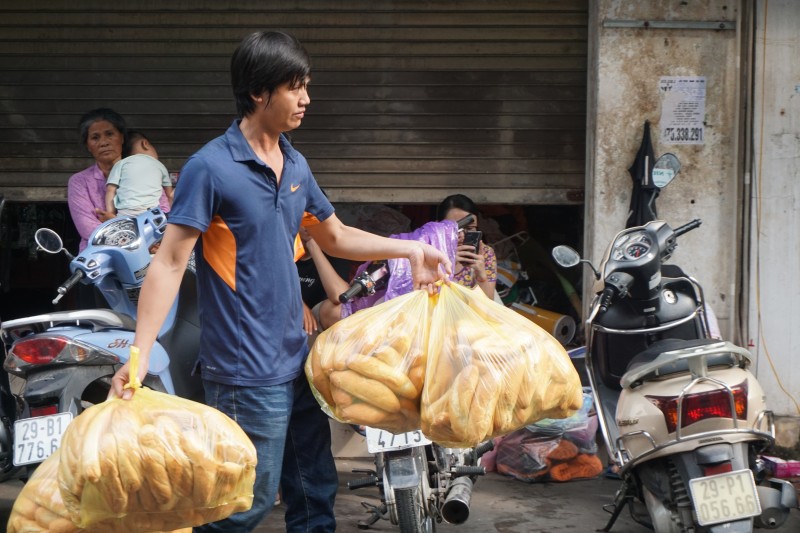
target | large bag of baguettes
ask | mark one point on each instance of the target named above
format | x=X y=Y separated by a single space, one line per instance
x=487 y=370
x=369 y=368
x=491 y=371
x=40 y=509
x=155 y=462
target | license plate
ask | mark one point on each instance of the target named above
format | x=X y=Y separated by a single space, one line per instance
x=379 y=440
x=725 y=497
x=35 y=439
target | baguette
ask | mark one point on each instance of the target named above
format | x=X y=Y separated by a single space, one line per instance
x=319 y=379
x=417 y=376
x=400 y=342
x=389 y=355
x=365 y=389
x=154 y=464
x=481 y=411
x=390 y=376
x=91 y=432
x=129 y=459
x=114 y=494
x=202 y=473
x=179 y=467
x=461 y=395
x=369 y=415
x=340 y=398
x=504 y=412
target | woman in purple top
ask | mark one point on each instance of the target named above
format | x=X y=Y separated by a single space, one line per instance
x=104 y=134
x=472 y=267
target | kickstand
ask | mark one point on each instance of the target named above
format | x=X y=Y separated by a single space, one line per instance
x=620 y=501
x=376 y=513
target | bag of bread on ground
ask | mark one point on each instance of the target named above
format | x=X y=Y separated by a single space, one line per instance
x=490 y=371
x=155 y=462
x=368 y=368
x=40 y=509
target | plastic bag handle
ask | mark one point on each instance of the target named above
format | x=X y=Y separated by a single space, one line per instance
x=133 y=370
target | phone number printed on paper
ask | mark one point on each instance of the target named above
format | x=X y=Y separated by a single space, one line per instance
x=694 y=135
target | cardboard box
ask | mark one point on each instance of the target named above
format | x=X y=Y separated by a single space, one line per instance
x=782 y=468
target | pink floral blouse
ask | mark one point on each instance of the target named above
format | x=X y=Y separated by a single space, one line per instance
x=464 y=275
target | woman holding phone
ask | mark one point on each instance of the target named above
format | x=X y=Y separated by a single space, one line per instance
x=476 y=263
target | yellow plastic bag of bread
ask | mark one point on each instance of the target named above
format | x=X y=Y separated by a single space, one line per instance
x=40 y=509
x=490 y=371
x=155 y=462
x=38 y=506
x=369 y=368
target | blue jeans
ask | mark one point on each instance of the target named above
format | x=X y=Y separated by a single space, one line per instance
x=293 y=443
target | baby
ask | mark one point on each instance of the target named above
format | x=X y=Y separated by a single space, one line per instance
x=135 y=182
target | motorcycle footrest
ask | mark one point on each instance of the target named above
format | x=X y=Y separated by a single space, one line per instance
x=369 y=481
x=469 y=471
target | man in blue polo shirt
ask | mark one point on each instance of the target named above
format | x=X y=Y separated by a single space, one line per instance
x=239 y=204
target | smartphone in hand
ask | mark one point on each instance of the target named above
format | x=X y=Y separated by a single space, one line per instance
x=473 y=238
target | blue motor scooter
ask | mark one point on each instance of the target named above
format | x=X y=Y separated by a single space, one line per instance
x=61 y=363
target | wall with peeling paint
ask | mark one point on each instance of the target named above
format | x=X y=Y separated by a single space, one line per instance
x=775 y=208
x=626 y=65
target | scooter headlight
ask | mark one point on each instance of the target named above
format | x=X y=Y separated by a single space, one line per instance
x=53 y=349
x=702 y=405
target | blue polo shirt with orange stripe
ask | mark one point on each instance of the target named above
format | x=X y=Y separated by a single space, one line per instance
x=250 y=305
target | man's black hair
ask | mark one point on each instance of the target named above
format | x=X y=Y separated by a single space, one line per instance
x=262 y=62
x=101 y=113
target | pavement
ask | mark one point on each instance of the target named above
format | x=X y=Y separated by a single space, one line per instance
x=499 y=504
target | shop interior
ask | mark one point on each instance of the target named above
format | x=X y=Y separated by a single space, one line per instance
x=522 y=237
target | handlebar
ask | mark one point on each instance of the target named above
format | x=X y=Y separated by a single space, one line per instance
x=365 y=282
x=605 y=299
x=354 y=290
x=67 y=285
x=689 y=226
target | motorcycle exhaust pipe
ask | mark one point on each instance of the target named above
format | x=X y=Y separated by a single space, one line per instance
x=455 y=509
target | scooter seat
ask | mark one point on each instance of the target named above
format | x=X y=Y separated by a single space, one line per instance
x=673 y=356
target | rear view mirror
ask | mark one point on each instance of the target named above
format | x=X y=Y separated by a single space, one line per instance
x=48 y=240
x=566 y=256
x=665 y=169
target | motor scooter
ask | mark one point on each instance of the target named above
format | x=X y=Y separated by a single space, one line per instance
x=61 y=363
x=683 y=418
x=420 y=482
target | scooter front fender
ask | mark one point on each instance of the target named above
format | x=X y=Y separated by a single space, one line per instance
x=403 y=469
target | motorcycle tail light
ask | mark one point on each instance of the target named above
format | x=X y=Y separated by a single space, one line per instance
x=702 y=405
x=41 y=350
x=721 y=468
x=44 y=410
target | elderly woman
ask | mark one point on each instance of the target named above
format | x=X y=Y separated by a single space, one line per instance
x=104 y=134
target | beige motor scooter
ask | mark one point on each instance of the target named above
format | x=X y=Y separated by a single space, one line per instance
x=683 y=418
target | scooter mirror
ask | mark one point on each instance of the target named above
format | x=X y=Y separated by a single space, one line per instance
x=665 y=169
x=48 y=240
x=566 y=256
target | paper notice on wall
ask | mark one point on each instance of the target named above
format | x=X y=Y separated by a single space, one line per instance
x=683 y=109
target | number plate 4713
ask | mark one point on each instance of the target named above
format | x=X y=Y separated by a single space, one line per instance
x=379 y=440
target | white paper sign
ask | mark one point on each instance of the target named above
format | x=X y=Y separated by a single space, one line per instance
x=683 y=109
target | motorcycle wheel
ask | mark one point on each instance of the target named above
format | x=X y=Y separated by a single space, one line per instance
x=411 y=517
